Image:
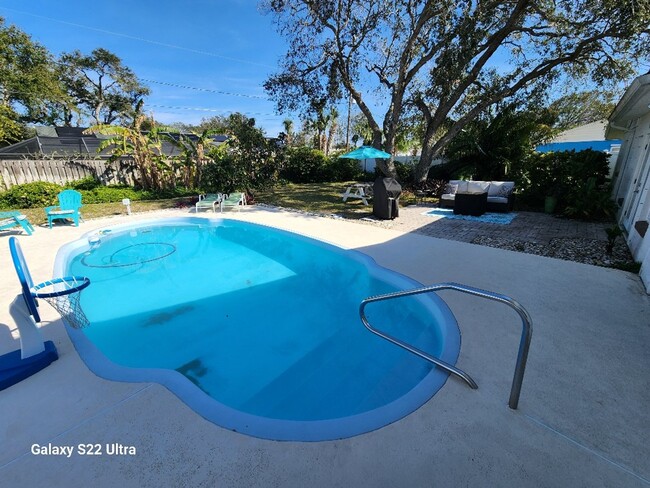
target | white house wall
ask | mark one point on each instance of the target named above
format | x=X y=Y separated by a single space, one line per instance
x=632 y=191
x=594 y=131
x=630 y=121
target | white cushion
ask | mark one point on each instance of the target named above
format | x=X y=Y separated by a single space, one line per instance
x=462 y=185
x=477 y=186
x=495 y=188
x=448 y=196
x=501 y=188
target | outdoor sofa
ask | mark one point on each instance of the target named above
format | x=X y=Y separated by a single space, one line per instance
x=500 y=195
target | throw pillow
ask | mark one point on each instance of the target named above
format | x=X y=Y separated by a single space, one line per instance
x=451 y=189
x=505 y=190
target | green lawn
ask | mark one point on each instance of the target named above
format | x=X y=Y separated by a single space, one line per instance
x=95 y=210
x=322 y=198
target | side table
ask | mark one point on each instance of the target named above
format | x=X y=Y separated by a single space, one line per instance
x=470 y=203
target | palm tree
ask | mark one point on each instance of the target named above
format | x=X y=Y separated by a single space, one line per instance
x=288 y=130
x=333 y=121
x=144 y=148
x=193 y=155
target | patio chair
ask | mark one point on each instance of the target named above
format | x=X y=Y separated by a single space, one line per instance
x=68 y=208
x=209 y=200
x=9 y=220
x=233 y=200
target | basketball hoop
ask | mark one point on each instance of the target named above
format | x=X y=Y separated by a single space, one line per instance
x=63 y=294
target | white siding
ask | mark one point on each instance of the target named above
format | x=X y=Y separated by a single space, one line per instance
x=588 y=132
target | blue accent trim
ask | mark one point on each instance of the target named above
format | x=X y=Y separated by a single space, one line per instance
x=13 y=369
x=285 y=430
x=24 y=277
x=577 y=146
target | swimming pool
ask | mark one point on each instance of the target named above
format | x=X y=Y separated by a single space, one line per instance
x=255 y=328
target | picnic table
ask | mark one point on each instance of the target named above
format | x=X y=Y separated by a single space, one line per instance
x=362 y=191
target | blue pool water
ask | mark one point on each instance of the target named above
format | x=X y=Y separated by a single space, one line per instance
x=263 y=323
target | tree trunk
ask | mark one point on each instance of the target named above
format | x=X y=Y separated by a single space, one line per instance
x=430 y=150
x=422 y=168
x=387 y=166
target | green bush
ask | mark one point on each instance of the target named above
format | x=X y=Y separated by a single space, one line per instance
x=562 y=175
x=225 y=175
x=107 y=194
x=41 y=194
x=590 y=202
x=30 y=195
x=343 y=169
x=116 y=193
x=305 y=165
x=90 y=182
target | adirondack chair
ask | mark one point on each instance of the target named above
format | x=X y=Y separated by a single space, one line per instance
x=9 y=220
x=68 y=207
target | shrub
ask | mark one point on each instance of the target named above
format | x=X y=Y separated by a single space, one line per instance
x=30 y=195
x=590 y=202
x=107 y=194
x=90 y=182
x=116 y=193
x=562 y=175
x=305 y=165
x=224 y=175
x=343 y=169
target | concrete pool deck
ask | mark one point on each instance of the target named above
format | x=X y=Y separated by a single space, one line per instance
x=583 y=417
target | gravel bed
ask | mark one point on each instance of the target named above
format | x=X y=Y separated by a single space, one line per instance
x=588 y=251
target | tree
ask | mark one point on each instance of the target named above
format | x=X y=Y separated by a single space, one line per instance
x=193 y=154
x=288 y=131
x=251 y=154
x=217 y=123
x=28 y=82
x=332 y=127
x=102 y=85
x=10 y=129
x=580 y=108
x=143 y=147
x=488 y=146
x=451 y=60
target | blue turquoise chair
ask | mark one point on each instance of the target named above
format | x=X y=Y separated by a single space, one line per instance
x=68 y=208
x=9 y=220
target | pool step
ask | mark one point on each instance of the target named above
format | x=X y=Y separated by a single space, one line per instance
x=384 y=391
x=382 y=386
x=319 y=385
x=285 y=396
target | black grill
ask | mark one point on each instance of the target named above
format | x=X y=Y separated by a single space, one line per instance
x=385 y=199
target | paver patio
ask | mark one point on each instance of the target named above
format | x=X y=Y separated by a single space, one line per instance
x=526 y=226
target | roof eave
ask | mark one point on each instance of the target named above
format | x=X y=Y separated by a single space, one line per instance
x=633 y=104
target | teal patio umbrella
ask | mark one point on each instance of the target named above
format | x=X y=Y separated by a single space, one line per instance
x=366 y=152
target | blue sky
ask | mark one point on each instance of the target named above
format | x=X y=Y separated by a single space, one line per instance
x=225 y=46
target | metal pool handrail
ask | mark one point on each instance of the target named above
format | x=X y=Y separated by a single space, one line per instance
x=524 y=343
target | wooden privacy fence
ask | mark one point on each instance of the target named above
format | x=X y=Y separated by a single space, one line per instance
x=60 y=171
